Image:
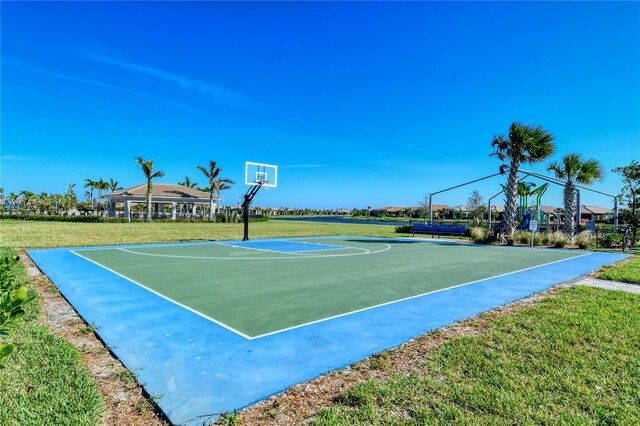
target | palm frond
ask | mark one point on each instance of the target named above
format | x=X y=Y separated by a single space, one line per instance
x=591 y=171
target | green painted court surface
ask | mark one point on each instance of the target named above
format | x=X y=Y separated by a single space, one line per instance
x=268 y=286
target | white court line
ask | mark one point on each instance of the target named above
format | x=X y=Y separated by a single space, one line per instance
x=323 y=319
x=297 y=255
x=167 y=298
x=246 y=248
x=334 y=247
x=323 y=244
x=411 y=297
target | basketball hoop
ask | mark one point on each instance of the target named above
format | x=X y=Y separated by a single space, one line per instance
x=257 y=176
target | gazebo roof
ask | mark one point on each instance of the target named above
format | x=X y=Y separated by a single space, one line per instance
x=162 y=190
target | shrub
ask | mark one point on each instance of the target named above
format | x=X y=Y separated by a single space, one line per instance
x=584 y=240
x=539 y=239
x=612 y=240
x=403 y=229
x=478 y=234
x=13 y=298
x=546 y=239
x=522 y=237
x=560 y=239
x=60 y=218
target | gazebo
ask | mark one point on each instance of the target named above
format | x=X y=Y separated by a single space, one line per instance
x=175 y=195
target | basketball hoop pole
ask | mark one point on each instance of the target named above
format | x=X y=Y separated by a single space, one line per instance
x=248 y=197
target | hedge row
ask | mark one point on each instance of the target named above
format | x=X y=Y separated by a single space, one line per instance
x=100 y=219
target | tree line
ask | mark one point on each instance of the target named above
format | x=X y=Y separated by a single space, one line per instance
x=28 y=201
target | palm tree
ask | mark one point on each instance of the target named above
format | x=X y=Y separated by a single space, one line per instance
x=114 y=185
x=187 y=182
x=13 y=200
x=147 y=169
x=44 y=201
x=91 y=184
x=101 y=185
x=70 y=199
x=523 y=144
x=26 y=197
x=572 y=169
x=58 y=202
x=216 y=184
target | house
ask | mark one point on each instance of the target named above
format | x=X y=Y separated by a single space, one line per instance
x=395 y=211
x=177 y=196
x=594 y=213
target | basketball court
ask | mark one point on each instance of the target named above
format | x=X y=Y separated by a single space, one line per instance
x=216 y=326
x=209 y=327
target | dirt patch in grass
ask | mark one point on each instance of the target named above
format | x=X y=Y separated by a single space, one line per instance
x=299 y=404
x=126 y=403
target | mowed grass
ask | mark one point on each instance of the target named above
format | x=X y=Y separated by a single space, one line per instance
x=44 y=382
x=571 y=359
x=626 y=271
x=28 y=235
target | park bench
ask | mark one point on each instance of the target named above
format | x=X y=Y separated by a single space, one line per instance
x=438 y=229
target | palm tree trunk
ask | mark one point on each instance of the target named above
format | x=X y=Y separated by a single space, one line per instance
x=512 y=199
x=149 y=200
x=569 y=208
x=211 y=205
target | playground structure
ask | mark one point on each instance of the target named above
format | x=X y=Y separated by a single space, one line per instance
x=525 y=191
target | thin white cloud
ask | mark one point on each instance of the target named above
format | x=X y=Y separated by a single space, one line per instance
x=303 y=166
x=219 y=94
x=14 y=158
x=28 y=67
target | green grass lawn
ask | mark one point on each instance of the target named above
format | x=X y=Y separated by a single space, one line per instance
x=626 y=272
x=26 y=235
x=571 y=359
x=44 y=382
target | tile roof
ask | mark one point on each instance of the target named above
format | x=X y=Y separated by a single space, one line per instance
x=164 y=190
x=597 y=209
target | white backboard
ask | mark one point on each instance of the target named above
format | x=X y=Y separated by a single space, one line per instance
x=262 y=174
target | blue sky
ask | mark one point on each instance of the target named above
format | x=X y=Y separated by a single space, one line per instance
x=358 y=103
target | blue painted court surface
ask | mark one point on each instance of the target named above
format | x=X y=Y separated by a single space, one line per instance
x=216 y=326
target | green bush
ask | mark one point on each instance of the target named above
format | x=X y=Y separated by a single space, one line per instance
x=584 y=240
x=546 y=239
x=539 y=239
x=13 y=298
x=478 y=234
x=100 y=219
x=560 y=239
x=404 y=229
x=60 y=218
x=522 y=237
x=612 y=240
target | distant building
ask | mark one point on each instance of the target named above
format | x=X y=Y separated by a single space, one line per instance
x=440 y=211
x=179 y=198
x=594 y=213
